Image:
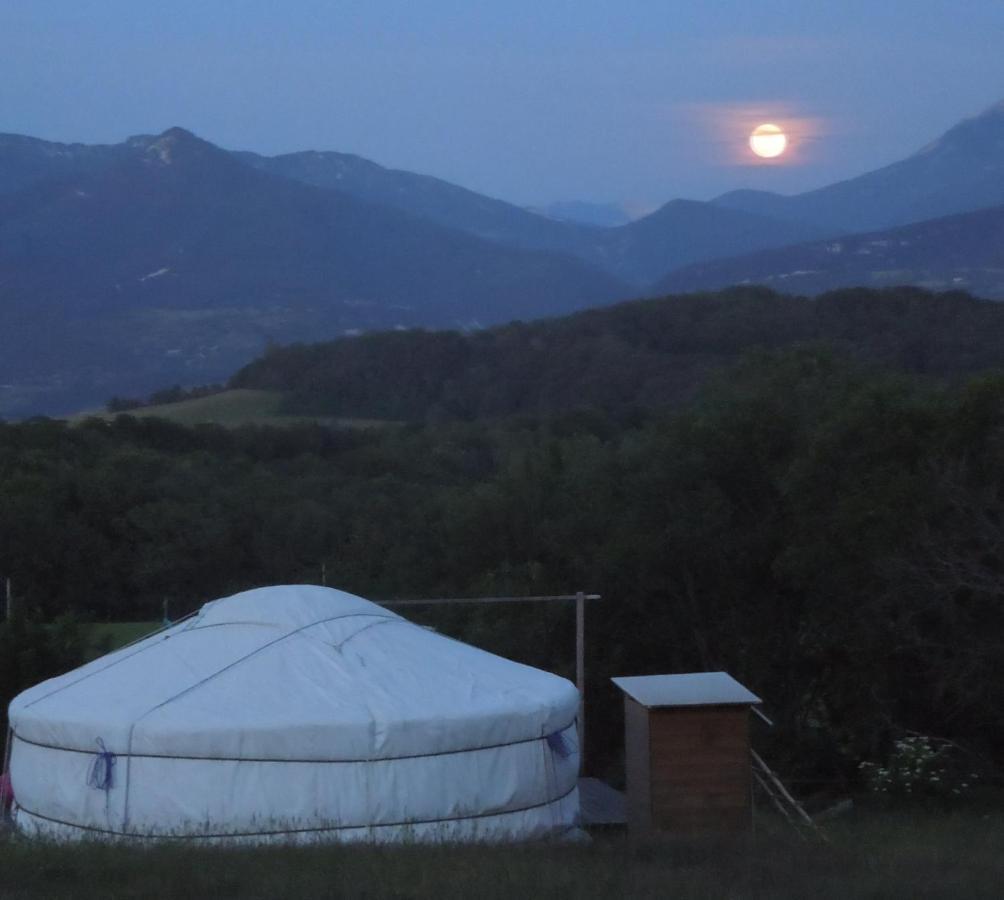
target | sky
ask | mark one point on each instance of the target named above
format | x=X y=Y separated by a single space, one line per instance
x=630 y=101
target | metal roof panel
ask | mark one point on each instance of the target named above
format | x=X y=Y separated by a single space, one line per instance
x=691 y=689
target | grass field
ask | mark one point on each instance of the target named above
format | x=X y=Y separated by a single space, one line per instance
x=231 y=409
x=103 y=637
x=870 y=855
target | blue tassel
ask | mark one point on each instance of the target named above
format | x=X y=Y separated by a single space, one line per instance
x=557 y=744
x=102 y=774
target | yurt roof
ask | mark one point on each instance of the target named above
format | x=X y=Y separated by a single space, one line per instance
x=295 y=672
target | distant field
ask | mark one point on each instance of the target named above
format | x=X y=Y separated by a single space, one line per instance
x=241 y=406
x=103 y=637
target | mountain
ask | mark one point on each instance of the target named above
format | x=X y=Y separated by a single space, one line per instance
x=650 y=353
x=25 y=161
x=429 y=198
x=961 y=252
x=177 y=262
x=963 y=170
x=688 y=231
x=599 y=215
x=637 y=252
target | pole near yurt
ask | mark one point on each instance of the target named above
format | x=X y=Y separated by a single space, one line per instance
x=580 y=670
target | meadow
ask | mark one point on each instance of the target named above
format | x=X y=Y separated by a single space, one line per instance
x=870 y=853
x=231 y=409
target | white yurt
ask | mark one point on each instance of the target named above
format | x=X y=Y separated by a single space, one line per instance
x=297 y=713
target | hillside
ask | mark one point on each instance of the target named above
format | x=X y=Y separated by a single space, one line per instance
x=960 y=171
x=686 y=232
x=640 y=354
x=428 y=198
x=25 y=161
x=179 y=264
x=962 y=252
x=678 y=233
x=232 y=409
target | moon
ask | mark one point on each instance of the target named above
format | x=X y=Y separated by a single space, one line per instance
x=768 y=141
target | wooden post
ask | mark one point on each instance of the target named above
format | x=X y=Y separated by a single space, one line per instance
x=580 y=671
x=324 y=574
x=9 y=595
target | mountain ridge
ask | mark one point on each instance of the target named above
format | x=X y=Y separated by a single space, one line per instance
x=636 y=252
x=964 y=251
x=959 y=171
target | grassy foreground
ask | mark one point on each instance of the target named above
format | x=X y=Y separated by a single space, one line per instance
x=870 y=855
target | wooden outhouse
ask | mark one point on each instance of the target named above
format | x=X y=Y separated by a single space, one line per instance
x=687 y=753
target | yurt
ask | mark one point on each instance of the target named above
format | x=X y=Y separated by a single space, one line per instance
x=297 y=713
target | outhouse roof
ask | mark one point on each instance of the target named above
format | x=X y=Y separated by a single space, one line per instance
x=691 y=689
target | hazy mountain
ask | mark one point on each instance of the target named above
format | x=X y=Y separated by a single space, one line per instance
x=687 y=231
x=178 y=263
x=428 y=197
x=26 y=160
x=963 y=252
x=679 y=233
x=599 y=215
x=961 y=171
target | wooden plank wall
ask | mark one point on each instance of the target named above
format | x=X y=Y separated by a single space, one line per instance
x=699 y=768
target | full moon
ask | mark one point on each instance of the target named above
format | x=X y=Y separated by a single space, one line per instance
x=768 y=141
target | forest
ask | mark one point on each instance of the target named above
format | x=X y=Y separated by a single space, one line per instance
x=827 y=529
x=650 y=353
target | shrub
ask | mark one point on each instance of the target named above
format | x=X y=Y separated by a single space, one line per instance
x=920 y=768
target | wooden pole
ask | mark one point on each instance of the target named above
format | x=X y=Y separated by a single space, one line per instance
x=9 y=596
x=580 y=672
x=771 y=778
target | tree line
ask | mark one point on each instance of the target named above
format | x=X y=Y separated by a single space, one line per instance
x=828 y=532
x=646 y=353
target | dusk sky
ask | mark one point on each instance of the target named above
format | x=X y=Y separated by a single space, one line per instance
x=527 y=101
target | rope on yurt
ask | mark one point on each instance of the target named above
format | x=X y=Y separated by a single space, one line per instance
x=240 y=834
x=306 y=761
x=555 y=744
x=101 y=776
x=547 y=770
